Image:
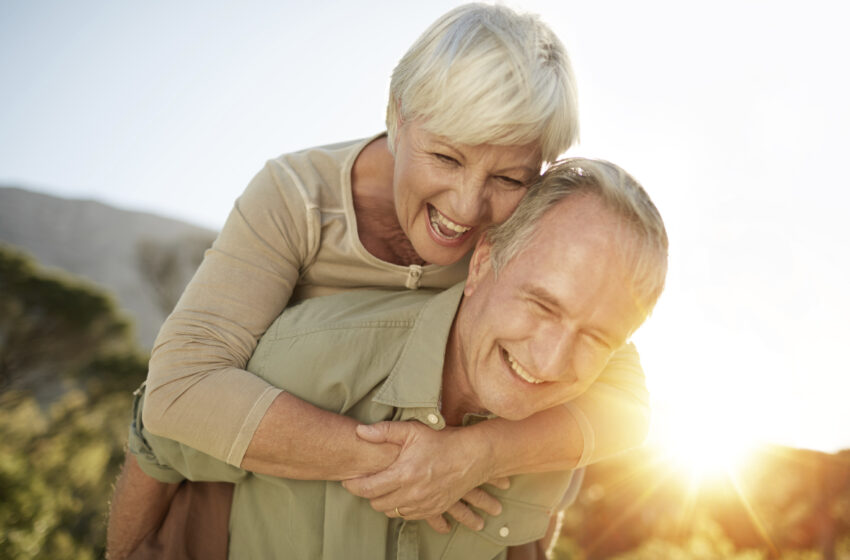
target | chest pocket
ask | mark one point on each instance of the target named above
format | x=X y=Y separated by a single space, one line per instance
x=527 y=508
x=519 y=523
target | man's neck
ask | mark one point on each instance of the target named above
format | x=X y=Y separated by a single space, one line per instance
x=457 y=399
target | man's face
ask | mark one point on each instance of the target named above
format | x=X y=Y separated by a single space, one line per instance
x=539 y=334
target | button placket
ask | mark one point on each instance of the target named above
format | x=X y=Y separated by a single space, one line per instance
x=414 y=274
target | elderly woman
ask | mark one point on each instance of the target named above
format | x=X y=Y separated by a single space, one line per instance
x=479 y=103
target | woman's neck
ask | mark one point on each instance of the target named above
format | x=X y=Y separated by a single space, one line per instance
x=374 y=207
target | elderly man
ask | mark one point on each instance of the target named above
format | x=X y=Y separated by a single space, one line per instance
x=550 y=295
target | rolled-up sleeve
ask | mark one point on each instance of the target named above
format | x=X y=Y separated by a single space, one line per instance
x=198 y=390
x=169 y=461
x=614 y=412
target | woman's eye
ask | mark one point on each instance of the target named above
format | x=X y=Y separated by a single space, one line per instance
x=445 y=159
x=510 y=181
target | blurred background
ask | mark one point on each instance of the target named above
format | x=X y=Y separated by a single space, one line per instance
x=127 y=130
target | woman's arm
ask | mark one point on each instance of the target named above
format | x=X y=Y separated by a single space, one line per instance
x=198 y=390
x=295 y=440
x=324 y=446
x=433 y=469
x=315 y=445
x=298 y=440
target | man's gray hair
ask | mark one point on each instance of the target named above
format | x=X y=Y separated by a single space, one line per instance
x=619 y=192
x=485 y=74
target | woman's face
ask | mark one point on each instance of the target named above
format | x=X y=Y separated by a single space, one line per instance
x=447 y=194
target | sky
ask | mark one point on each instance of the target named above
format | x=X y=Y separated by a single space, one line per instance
x=733 y=115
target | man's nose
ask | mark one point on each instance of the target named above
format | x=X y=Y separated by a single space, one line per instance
x=553 y=347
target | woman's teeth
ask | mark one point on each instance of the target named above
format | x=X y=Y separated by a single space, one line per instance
x=444 y=226
x=524 y=375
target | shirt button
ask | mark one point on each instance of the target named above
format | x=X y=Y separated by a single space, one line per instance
x=413 y=275
x=432 y=418
x=504 y=531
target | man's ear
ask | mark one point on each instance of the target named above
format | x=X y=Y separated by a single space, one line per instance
x=479 y=265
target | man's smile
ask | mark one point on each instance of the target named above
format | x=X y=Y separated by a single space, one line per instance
x=519 y=370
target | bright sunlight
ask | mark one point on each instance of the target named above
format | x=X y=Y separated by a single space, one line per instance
x=701 y=445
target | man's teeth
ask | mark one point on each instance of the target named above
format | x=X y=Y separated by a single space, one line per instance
x=518 y=369
x=438 y=219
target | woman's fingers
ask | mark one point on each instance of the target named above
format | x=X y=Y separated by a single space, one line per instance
x=465 y=516
x=439 y=524
x=428 y=478
x=461 y=511
x=388 y=503
x=374 y=486
x=385 y=432
x=482 y=500
x=502 y=483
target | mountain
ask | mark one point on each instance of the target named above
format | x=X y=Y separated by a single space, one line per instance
x=142 y=259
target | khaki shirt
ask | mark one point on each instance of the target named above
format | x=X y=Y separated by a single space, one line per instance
x=292 y=235
x=373 y=356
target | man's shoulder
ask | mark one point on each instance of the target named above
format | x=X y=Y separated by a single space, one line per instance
x=351 y=310
x=332 y=351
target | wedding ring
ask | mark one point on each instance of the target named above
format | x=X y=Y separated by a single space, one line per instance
x=398 y=513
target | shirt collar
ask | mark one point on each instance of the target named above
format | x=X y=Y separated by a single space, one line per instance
x=417 y=378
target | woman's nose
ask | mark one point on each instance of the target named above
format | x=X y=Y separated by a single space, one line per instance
x=470 y=202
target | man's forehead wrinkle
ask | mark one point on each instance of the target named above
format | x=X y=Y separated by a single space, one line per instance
x=541 y=293
x=610 y=335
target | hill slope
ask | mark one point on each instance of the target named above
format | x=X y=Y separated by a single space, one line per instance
x=144 y=260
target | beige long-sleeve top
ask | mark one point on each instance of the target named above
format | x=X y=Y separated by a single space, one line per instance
x=292 y=235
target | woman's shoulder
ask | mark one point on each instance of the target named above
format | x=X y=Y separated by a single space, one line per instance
x=321 y=175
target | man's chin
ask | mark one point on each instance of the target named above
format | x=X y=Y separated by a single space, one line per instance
x=515 y=415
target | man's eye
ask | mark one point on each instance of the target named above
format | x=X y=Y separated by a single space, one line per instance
x=541 y=307
x=598 y=340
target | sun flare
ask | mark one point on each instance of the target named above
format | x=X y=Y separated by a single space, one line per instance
x=704 y=446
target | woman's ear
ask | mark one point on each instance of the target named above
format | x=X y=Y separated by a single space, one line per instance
x=479 y=265
x=399 y=120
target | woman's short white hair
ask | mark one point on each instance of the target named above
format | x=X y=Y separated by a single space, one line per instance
x=485 y=74
x=645 y=245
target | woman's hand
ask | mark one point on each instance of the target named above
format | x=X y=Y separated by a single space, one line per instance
x=435 y=472
x=464 y=514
